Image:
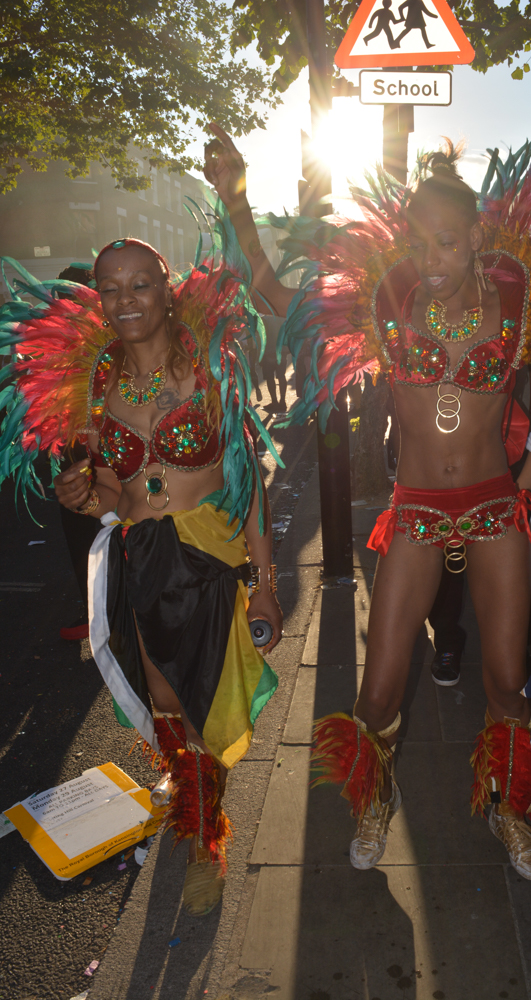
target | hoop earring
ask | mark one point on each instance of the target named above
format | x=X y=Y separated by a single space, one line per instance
x=479 y=271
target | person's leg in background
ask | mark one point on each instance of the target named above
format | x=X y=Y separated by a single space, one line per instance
x=282 y=381
x=268 y=369
x=449 y=638
x=79 y=532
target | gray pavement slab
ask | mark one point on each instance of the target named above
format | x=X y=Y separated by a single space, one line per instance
x=434 y=825
x=334 y=688
x=462 y=708
x=419 y=709
x=338 y=629
x=332 y=933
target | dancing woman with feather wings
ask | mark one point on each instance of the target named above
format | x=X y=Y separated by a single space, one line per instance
x=149 y=373
x=430 y=290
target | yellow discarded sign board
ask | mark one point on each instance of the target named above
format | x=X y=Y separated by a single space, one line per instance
x=73 y=826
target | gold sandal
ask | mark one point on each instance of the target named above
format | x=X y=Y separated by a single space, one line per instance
x=203 y=885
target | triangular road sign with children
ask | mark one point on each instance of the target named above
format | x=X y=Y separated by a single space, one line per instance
x=403 y=33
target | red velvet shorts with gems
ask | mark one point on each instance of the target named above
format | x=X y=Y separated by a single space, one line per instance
x=453 y=519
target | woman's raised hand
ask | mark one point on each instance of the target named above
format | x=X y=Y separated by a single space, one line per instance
x=72 y=486
x=224 y=169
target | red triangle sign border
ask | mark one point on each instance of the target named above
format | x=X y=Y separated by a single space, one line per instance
x=344 y=60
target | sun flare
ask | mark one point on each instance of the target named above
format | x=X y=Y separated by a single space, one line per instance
x=349 y=140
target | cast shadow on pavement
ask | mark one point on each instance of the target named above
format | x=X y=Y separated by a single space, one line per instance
x=355 y=939
x=173 y=968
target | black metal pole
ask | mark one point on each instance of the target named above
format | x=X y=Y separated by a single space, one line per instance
x=333 y=445
x=334 y=485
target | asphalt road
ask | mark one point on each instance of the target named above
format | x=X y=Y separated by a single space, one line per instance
x=56 y=720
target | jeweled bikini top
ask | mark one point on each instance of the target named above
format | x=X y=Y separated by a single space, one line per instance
x=420 y=359
x=181 y=440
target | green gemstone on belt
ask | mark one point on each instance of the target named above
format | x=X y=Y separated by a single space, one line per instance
x=466 y=525
x=154 y=485
x=422 y=529
x=443 y=528
x=488 y=522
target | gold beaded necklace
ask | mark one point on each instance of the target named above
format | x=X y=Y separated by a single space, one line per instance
x=141 y=397
x=437 y=324
x=472 y=318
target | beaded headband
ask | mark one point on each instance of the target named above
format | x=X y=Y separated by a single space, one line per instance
x=131 y=242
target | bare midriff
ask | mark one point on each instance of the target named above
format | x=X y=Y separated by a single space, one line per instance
x=185 y=490
x=471 y=454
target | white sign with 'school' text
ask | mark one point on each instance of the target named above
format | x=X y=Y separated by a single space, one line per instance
x=404 y=87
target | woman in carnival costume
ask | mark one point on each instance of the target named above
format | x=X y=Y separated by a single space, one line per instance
x=435 y=295
x=148 y=372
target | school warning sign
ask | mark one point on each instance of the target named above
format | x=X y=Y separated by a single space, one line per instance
x=403 y=33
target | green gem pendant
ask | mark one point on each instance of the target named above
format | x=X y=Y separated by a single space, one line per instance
x=154 y=485
x=157 y=486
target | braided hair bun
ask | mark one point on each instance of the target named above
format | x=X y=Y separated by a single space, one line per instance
x=444 y=182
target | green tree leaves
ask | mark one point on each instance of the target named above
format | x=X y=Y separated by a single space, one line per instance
x=498 y=33
x=81 y=81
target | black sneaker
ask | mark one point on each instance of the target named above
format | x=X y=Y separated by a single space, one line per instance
x=445 y=669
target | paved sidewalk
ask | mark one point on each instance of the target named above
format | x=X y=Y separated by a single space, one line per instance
x=443 y=917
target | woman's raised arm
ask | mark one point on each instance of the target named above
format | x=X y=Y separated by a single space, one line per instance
x=225 y=170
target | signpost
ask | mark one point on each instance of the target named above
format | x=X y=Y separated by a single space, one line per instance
x=396 y=34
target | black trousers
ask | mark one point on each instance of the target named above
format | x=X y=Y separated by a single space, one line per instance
x=444 y=616
x=80 y=532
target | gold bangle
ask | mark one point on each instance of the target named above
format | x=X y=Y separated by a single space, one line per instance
x=93 y=503
x=256 y=579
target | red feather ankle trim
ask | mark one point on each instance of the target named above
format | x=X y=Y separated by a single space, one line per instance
x=195 y=807
x=502 y=768
x=350 y=756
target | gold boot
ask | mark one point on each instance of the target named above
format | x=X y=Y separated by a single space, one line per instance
x=203 y=885
x=368 y=846
x=515 y=836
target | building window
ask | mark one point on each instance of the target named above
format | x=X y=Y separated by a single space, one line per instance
x=156 y=234
x=122 y=223
x=167 y=192
x=170 y=254
x=140 y=165
x=143 y=226
x=155 y=186
x=85 y=238
x=178 y=198
x=180 y=247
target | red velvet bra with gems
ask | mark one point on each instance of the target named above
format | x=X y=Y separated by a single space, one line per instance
x=420 y=359
x=181 y=440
